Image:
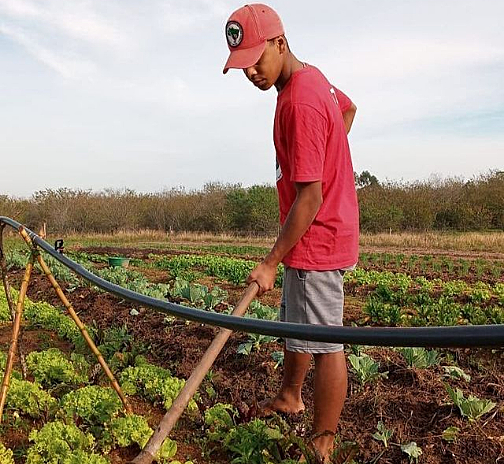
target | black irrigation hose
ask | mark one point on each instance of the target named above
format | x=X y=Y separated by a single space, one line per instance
x=443 y=337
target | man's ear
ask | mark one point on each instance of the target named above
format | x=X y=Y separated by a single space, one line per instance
x=281 y=43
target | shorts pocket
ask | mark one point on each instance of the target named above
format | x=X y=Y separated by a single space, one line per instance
x=301 y=274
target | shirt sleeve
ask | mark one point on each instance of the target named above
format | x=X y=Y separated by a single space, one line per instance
x=306 y=136
x=344 y=102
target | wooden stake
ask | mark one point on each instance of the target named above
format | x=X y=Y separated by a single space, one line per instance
x=192 y=384
x=15 y=332
x=3 y=267
x=5 y=280
x=79 y=323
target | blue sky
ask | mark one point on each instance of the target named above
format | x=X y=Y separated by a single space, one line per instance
x=118 y=94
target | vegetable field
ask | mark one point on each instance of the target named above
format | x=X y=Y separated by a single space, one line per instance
x=405 y=405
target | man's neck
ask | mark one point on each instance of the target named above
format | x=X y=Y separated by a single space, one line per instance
x=291 y=65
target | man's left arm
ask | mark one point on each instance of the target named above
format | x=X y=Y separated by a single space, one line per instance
x=347 y=107
x=301 y=215
x=348 y=117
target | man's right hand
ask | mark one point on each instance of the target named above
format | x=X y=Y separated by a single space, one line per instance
x=264 y=275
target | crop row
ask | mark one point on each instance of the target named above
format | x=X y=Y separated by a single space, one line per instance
x=415 y=264
x=440 y=265
x=397 y=283
x=230 y=269
x=395 y=299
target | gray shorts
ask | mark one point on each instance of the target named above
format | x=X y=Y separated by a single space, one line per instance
x=312 y=297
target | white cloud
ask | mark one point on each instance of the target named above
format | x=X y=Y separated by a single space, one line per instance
x=182 y=17
x=76 y=19
x=65 y=64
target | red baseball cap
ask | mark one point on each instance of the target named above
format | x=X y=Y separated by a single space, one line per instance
x=247 y=31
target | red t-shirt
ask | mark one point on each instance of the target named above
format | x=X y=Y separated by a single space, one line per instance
x=311 y=145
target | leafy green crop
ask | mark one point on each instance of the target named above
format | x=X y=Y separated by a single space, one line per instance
x=84 y=257
x=134 y=281
x=5 y=315
x=29 y=398
x=50 y=318
x=197 y=294
x=396 y=299
x=499 y=292
x=220 y=420
x=115 y=339
x=419 y=357
x=250 y=443
x=382 y=434
x=167 y=450
x=412 y=450
x=256 y=442
x=471 y=407
x=450 y=434
x=125 y=431
x=93 y=404
x=258 y=310
x=6 y=455
x=51 y=367
x=456 y=373
x=254 y=343
x=278 y=357
x=153 y=382
x=59 y=443
x=454 y=288
x=230 y=269
x=480 y=292
x=3 y=360
x=366 y=369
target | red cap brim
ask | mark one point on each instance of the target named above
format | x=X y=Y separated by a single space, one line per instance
x=245 y=57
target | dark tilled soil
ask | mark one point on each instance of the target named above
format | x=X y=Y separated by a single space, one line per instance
x=413 y=403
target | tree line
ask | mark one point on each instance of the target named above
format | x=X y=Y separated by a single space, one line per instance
x=434 y=204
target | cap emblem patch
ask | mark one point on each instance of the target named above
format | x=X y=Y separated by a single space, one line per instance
x=234 y=33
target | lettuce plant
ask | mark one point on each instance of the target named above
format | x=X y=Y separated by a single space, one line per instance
x=6 y=455
x=93 y=404
x=29 y=398
x=153 y=382
x=51 y=367
x=59 y=443
x=126 y=431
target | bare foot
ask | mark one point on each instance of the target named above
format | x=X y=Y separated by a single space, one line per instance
x=324 y=444
x=322 y=458
x=281 y=403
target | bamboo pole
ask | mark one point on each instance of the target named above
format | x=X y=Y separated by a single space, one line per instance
x=10 y=304
x=192 y=384
x=3 y=267
x=79 y=323
x=15 y=332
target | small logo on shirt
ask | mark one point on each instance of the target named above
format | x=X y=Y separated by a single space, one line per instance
x=333 y=93
x=234 y=33
x=278 y=171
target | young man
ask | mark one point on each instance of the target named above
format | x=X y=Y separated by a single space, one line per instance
x=318 y=208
